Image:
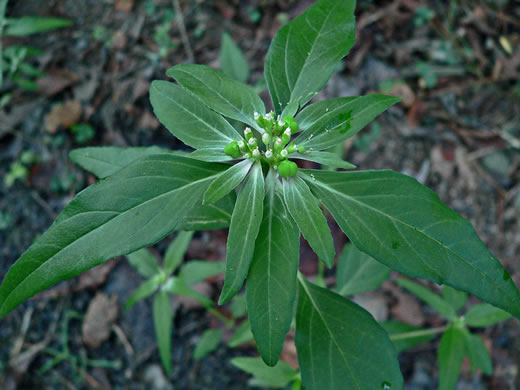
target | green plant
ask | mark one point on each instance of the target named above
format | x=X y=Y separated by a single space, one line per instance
x=387 y=215
x=159 y=280
x=19 y=170
x=13 y=58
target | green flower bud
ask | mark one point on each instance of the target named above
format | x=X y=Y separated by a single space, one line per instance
x=253 y=143
x=287 y=168
x=291 y=148
x=248 y=133
x=278 y=145
x=286 y=136
x=242 y=146
x=266 y=138
x=232 y=149
x=294 y=127
x=301 y=149
x=288 y=119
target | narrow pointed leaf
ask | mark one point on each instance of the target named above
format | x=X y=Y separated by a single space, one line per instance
x=456 y=298
x=304 y=54
x=245 y=224
x=242 y=335
x=331 y=160
x=188 y=119
x=340 y=346
x=271 y=282
x=196 y=271
x=399 y=329
x=478 y=353
x=428 y=240
x=103 y=161
x=134 y=208
x=220 y=92
x=209 y=217
x=329 y=122
x=28 y=25
x=144 y=290
x=176 y=251
x=450 y=356
x=163 y=320
x=310 y=219
x=177 y=286
x=274 y=377
x=484 y=315
x=208 y=342
x=227 y=181
x=442 y=307
x=232 y=60
x=210 y=155
x=144 y=262
x=358 y=272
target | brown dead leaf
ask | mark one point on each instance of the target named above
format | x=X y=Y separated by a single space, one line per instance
x=407 y=308
x=64 y=115
x=119 y=40
x=56 y=81
x=101 y=314
x=124 y=5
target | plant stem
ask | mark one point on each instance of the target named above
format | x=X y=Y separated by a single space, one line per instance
x=417 y=333
x=221 y=317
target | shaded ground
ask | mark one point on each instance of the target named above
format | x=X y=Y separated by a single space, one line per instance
x=457 y=130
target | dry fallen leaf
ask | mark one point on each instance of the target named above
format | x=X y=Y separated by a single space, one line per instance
x=101 y=314
x=57 y=80
x=65 y=115
x=124 y=5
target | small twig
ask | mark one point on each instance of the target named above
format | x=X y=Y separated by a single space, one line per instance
x=182 y=29
x=26 y=321
x=43 y=204
x=124 y=340
x=417 y=333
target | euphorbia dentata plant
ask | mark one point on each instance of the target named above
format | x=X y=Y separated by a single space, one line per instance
x=151 y=192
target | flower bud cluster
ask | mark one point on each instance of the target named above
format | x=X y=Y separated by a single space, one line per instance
x=276 y=133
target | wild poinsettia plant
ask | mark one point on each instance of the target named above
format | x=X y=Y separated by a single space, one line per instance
x=244 y=173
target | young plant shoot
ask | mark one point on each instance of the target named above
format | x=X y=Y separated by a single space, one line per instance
x=250 y=181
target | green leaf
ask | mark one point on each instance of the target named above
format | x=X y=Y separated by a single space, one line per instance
x=210 y=155
x=210 y=216
x=29 y=25
x=241 y=336
x=264 y=376
x=104 y=161
x=483 y=315
x=146 y=289
x=176 y=251
x=163 y=320
x=450 y=356
x=331 y=160
x=435 y=301
x=304 y=54
x=196 y=271
x=188 y=119
x=271 y=282
x=478 y=353
x=310 y=219
x=428 y=240
x=227 y=181
x=232 y=61
x=208 y=342
x=239 y=306
x=245 y=224
x=340 y=346
x=144 y=262
x=177 y=286
x=220 y=92
x=329 y=122
x=134 y=208
x=456 y=298
x=358 y=272
x=399 y=329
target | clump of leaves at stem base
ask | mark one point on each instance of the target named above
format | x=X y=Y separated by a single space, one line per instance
x=268 y=204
